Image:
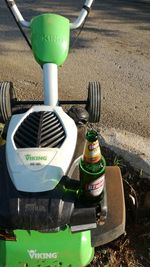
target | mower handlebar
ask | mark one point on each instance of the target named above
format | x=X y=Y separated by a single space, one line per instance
x=74 y=25
x=17 y=14
x=83 y=14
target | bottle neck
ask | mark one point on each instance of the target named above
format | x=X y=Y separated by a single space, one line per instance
x=91 y=136
x=92 y=153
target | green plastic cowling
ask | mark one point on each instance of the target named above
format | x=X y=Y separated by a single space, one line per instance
x=33 y=249
x=50 y=35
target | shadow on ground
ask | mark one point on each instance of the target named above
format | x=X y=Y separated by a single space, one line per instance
x=112 y=11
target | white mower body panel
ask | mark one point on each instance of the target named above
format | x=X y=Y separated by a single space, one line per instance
x=38 y=169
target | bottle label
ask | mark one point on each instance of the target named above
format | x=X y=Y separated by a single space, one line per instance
x=92 y=153
x=96 y=187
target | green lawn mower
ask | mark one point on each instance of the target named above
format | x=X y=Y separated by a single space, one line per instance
x=43 y=222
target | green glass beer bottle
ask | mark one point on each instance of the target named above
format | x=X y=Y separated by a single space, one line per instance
x=92 y=170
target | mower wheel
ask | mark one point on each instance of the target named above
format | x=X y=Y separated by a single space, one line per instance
x=6 y=96
x=94 y=102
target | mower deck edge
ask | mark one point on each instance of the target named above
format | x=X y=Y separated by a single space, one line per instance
x=115 y=222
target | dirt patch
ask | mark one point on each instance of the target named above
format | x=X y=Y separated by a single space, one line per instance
x=132 y=249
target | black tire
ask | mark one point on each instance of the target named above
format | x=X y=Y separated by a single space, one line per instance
x=6 y=96
x=94 y=102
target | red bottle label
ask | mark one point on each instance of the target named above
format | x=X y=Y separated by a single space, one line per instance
x=96 y=187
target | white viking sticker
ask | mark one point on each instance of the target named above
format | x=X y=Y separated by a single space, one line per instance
x=44 y=255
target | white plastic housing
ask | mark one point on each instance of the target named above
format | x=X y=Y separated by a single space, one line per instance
x=51 y=163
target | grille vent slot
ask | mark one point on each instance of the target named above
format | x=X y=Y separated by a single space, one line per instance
x=40 y=129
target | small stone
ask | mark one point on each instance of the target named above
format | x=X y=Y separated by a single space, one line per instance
x=104 y=251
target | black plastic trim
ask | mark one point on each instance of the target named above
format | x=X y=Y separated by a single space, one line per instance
x=11 y=3
x=40 y=129
x=87 y=8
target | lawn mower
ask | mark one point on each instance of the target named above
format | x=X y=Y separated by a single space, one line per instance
x=43 y=222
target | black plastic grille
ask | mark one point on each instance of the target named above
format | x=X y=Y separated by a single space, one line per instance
x=40 y=129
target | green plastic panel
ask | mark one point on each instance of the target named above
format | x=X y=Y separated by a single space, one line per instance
x=36 y=249
x=50 y=35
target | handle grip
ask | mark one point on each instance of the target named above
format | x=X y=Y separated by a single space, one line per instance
x=83 y=14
